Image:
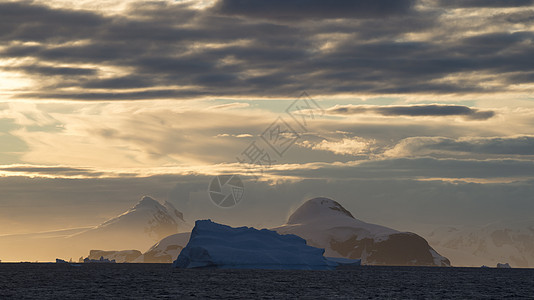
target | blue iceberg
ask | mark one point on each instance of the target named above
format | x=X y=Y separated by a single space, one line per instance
x=213 y=245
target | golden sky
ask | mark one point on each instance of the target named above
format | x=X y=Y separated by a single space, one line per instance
x=102 y=102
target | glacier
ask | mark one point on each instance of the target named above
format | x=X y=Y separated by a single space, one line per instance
x=214 y=245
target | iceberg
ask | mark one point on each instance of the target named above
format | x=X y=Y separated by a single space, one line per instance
x=213 y=245
x=125 y=256
x=102 y=260
x=503 y=266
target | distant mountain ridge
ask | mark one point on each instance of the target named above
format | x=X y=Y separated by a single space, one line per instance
x=324 y=223
x=145 y=223
x=511 y=242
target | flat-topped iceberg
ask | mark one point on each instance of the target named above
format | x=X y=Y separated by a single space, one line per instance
x=215 y=245
x=102 y=260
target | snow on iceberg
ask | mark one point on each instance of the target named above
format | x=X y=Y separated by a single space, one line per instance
x=215 y=245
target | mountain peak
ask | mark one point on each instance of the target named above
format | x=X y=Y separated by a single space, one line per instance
x=147 y=201
x=147 y=221
x=172 y=210
x=318 y=208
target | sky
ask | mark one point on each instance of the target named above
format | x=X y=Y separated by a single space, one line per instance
x=410 y=113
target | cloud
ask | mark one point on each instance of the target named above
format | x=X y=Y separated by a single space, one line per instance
x=345 y=146
x=39 y=204
x=174 y=50
x=242 y=135
x=147 y=134
x=49 y=171
x=134 y=134
x=230 y=105
x=521 y=17
x=485 y=3
x=437 y=110
x=506 y=170
x=315 y=9
x=106 y=96
x=52 y=70
x=25 y=21
x=503 y=146
x=124 y=82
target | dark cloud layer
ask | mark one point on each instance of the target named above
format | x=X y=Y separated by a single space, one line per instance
x=414 y=111
x=24 y=21
x=485 y=3
x=51 y=71
x=47 y=204
x=511 y=146
x=418 y=168
x=166 y=50
x=52 y=171
x=305 y=9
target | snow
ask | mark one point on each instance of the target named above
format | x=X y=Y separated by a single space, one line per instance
x=178 y=215
x=321 y=220
x=145 y=223
x=487 y=245
x=148 y=211
x=324 y=223
x=138 y=228
x=166 y=250
x=219 y=246
x=436 y=257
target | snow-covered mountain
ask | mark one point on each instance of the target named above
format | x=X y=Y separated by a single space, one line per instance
x=138 y=228
x=324 y=223
x=495 y=243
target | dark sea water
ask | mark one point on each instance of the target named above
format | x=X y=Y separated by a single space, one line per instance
x=105 y=281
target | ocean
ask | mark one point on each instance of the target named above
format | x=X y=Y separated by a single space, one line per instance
x=145 y=281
